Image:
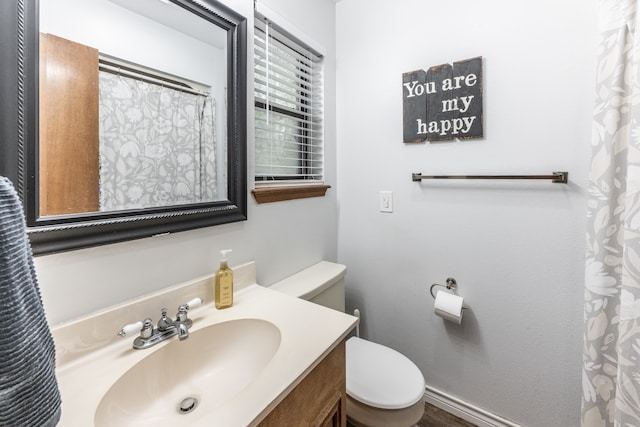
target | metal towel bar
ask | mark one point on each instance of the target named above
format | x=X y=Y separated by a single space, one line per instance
x=556 y=177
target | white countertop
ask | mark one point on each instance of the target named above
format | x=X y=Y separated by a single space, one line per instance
x=308 y=333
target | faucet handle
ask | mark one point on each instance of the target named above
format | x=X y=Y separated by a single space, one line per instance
x=193 y=303
x=130 y=328
x=181 y=315
x=145 y=328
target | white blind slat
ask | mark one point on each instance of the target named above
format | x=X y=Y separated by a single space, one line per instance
x=284 y=153
x=283 y=58
x=302 y=90
x=298 y=124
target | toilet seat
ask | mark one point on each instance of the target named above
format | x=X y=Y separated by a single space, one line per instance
x=381 y=377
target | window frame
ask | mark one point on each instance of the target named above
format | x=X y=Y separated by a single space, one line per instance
x=307 y=181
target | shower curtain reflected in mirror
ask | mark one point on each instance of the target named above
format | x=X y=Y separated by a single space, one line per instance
x=157 y=145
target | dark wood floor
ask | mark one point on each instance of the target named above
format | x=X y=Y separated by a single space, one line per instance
x=436 y=417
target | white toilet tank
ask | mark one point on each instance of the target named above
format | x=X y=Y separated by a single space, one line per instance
x=322 y=283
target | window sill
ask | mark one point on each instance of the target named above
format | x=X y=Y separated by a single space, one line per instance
x=278 y=194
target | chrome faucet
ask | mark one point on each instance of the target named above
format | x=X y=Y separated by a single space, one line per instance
x=166 y=328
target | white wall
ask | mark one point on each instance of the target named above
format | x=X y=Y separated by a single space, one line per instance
x=515 y=248
x=281 y=237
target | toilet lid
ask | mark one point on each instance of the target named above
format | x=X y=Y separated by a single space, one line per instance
x=381 y=377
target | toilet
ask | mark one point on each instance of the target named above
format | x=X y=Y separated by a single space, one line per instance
x=384 y=387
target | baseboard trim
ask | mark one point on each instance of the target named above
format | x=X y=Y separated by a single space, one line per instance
x=465 y=410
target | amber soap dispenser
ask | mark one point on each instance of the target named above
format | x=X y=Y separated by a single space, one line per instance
x=224 y=282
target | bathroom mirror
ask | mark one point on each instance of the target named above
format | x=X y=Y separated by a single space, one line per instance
x=122 y=119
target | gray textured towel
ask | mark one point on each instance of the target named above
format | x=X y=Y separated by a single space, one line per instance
x=29 y=394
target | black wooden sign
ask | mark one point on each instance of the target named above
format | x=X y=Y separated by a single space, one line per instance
x=443 y=103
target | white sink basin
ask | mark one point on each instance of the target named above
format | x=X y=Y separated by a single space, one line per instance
x=212 y=366
x=238 y=362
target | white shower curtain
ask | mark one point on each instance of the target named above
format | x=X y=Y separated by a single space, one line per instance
x=611 y=358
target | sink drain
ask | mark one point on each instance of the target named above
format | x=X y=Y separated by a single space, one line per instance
x=187 y=405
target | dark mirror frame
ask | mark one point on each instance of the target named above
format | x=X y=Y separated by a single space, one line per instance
x=19 y=139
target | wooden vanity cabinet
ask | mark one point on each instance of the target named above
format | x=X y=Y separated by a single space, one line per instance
x=319 y=400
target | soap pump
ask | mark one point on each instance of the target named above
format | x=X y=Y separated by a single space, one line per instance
x=224 y=282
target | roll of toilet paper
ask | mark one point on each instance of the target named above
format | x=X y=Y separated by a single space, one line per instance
x=449 y=306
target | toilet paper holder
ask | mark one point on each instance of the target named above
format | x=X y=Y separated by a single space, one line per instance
x=450 y=284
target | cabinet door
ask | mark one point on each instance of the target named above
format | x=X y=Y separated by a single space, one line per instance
x=320 y=398
x=68 y=145
x=331 y=414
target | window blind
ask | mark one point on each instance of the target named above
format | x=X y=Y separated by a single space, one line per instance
x=288 y=107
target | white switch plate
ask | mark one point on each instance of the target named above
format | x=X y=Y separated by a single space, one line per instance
x=386 y=201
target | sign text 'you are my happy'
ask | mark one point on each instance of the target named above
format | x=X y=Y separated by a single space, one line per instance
x=444 y=102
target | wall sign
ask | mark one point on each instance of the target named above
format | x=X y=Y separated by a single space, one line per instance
x=444 y=102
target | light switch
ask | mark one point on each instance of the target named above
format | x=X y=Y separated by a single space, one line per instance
x=386 y=201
